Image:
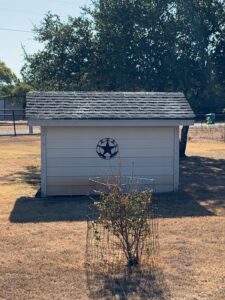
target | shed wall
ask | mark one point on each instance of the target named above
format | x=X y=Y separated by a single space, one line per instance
x=71 y=158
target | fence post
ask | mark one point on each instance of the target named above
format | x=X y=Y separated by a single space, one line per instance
x=14 y=123
x=30 y=129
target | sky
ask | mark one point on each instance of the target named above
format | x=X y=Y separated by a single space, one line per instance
x=17 y=18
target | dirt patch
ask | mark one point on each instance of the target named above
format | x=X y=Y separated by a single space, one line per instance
x=43 y=241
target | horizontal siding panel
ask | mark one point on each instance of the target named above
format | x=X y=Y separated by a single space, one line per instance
x=84 y=180
x=97 y=162
x=102 y=171
x=62 y=190
x=96 y=133
x=123 y=143
x=131 y=152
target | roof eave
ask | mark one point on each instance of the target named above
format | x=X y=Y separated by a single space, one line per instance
x=110 y=122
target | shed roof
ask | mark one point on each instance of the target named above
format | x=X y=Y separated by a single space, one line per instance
x=107 y=105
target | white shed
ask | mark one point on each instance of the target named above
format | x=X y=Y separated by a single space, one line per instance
x=88 y=134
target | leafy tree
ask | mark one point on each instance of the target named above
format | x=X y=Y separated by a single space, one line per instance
x=118 y=45
x=154 y=45
x=200 y=23
x=18 y=93
x=10 y=86
x=62 y=64
x=133 y=44
x=7 y=77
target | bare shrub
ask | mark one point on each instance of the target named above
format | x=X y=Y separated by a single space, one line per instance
x=124 y=225
x=126 y=217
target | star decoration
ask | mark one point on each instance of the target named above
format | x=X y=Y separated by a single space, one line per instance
x=107 y=148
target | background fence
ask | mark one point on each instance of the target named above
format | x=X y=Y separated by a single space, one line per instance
x=202 y=118
x=13 y=122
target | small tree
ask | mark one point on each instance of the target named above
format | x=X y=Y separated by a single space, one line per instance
x=125 y=215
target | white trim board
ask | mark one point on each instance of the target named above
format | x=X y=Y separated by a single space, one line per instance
x=110 y=123
x=43 y=161
x=176 y=159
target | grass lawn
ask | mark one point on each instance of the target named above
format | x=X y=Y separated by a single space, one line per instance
x=42 y=241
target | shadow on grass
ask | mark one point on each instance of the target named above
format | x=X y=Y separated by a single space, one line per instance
x=201 y=193
x=50 y=209
x=30 y=175
x=138 y=284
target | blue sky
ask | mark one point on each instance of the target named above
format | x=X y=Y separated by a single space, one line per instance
x=21 y=15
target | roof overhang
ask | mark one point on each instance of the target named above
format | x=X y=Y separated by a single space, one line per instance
x=110 y=123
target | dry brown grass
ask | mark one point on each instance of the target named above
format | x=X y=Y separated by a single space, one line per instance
x=42 y=241
x=208 y=132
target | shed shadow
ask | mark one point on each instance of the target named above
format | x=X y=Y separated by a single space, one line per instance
x=201 y=193
x=49 y=209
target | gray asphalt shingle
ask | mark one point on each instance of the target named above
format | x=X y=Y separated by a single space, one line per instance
x=107 y=105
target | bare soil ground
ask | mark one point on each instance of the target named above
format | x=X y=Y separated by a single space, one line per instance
x=42 y=241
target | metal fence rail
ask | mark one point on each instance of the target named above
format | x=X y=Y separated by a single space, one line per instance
x=14 y=119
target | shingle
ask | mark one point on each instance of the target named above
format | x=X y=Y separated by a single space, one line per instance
x=107 y=105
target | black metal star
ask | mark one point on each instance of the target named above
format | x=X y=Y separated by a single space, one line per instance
x=107 y=148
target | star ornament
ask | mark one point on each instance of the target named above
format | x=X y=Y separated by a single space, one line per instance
x=107 y=148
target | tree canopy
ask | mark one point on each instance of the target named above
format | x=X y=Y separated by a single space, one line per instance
x=11 y=87
x=135 y=45
x=6 y=75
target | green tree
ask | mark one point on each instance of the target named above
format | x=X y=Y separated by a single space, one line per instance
x=154 y=45
x=62 y=64
x=11 y=87
x=200 y=23
x=134 y=45
x=7 y=77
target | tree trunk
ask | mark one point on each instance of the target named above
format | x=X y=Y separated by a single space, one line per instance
x=183 y=141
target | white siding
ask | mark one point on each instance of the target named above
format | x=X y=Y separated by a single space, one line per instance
x=71 y=156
